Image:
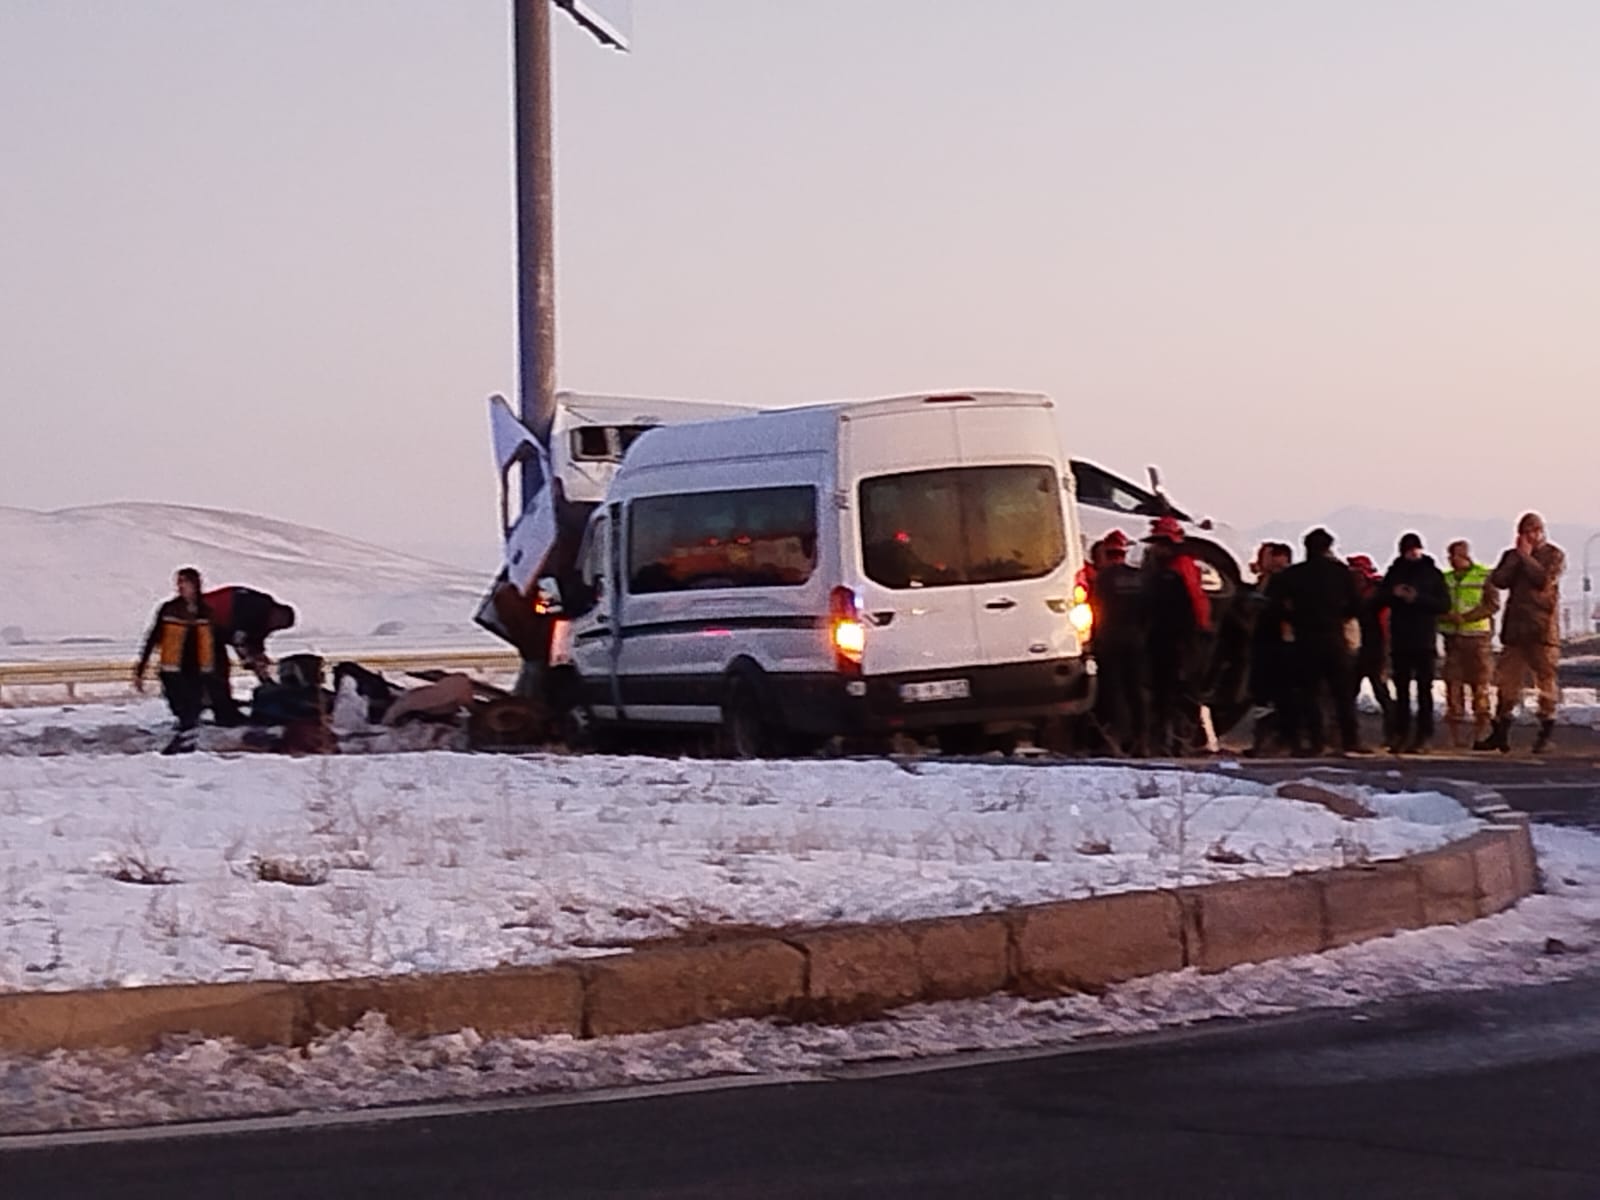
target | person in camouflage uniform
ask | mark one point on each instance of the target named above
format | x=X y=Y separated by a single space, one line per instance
x=1530 y=634
x=1468 y=629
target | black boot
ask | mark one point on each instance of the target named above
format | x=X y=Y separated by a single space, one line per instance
x=1499 y=737
x=1547 y=729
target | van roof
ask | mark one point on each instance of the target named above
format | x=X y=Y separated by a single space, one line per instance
x=588 y=408
x=806 y=429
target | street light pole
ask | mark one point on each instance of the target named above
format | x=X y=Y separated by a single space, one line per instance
x=1587 y=615
x=535 y=184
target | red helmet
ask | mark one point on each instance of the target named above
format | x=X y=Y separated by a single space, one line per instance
x=1363 y=565
x=1165 y=529
x=1115 y=540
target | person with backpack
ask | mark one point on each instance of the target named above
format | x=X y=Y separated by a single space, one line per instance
x=1413 y=591
x=184 y=640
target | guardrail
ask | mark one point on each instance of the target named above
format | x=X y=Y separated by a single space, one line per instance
x=72 y=675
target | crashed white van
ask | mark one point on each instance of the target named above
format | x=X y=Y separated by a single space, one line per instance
x=842 y=569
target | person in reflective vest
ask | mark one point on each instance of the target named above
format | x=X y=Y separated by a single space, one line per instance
x=184 y=640
x=1468 y=628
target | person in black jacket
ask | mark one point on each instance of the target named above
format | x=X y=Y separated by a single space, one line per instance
x=1319 y=596
x=1271 y=669
x=1116 y=596
x=1414 y=592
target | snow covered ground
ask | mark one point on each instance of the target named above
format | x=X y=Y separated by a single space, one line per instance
x=133 y=870
x=1580 y=707
x=1544 y=939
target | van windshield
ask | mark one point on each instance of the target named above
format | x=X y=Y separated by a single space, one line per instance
x=962 y=525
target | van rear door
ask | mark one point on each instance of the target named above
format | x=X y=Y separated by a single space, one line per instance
x=1022 y=552
x=905 y=506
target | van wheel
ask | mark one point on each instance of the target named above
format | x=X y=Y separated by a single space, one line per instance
x=745 y=732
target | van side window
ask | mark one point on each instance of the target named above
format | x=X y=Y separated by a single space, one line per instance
x=755 y=537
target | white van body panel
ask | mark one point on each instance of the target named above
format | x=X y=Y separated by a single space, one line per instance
x=668 y=637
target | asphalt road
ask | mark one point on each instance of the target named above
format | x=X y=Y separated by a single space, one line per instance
x=1493 y=1094
x=1496 y=1094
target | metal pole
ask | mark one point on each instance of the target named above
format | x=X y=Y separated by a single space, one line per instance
x=1586 y=615
x=536 y=275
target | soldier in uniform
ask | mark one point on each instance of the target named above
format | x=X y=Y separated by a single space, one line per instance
x=1530 y=633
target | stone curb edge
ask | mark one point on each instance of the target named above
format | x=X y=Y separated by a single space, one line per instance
x=839 y=973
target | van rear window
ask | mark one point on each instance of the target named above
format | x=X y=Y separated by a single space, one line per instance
x=754 y=537
x=962 y=525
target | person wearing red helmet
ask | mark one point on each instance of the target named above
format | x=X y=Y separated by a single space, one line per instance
x=1372 y=659
x=1117 y=643
x=1177 y=612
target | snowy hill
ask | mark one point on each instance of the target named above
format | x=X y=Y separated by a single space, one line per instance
x=98 y=572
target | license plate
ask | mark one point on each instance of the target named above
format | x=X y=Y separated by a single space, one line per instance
x=935 y=689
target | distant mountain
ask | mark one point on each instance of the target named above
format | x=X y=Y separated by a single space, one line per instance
x=98 y=572
x=1377 y=531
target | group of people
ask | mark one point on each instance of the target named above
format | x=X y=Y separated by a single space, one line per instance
x=1149 y=622
x=191 y=637
x=1318 y=630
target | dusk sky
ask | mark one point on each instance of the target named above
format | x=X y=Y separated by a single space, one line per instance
x=258 y=255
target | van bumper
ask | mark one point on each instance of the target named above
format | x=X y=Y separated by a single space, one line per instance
x=1026 y=691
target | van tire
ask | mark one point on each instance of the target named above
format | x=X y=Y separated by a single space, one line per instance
x=747 y=731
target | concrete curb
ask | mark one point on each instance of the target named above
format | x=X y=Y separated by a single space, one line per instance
x=840 y=973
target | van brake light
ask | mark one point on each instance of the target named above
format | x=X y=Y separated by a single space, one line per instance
x=846 y=630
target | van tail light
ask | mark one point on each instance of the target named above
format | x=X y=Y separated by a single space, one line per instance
x=1081 y=614
x=846 y=630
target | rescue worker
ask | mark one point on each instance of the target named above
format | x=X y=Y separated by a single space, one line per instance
x=1468 y=628
x=1372 y=659
x=1320 y=598
x=1271 y=673
x=1413 y=592
x=1117 y=642
x=1177 y=612
x=187 y=640
x=1530 y=631
x=244 y=618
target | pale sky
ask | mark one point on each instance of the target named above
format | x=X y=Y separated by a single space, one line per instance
x=258 y=255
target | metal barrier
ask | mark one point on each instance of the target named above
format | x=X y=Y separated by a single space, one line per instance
x=72 y=675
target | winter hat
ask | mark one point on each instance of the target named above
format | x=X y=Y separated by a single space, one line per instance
x=1411 y=541
x=1363 y=564
x=1165 y=529
x=1318 y=541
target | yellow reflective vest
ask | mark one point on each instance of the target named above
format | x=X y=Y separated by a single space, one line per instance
x=1467 y=598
